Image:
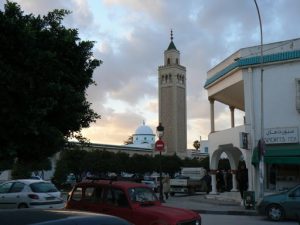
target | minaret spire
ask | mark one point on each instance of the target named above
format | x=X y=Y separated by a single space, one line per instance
x=171 y=45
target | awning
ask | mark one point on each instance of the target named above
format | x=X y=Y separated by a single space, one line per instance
x=279 y=154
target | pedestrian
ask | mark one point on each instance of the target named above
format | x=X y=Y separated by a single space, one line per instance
x=166 y=186
x=207 y=180
x=242 y=178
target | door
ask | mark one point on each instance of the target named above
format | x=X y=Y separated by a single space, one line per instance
x=11 y=195
x=292 y=205
x=116 y=203
x=4 y=197
x=76 y=198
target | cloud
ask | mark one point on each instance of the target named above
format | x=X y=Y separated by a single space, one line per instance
x=131 y=37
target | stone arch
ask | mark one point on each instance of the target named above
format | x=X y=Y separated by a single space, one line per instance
x=234 y=154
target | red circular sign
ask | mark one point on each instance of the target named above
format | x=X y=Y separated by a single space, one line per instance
x=159 y=145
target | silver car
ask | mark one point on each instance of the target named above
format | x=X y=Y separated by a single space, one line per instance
x=29 y=193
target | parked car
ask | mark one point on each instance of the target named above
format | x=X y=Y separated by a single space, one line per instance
x=56 y=217
x=134 y=202
x=29 y=193
x=281 y=205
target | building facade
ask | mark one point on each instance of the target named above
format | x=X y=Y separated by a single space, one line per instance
x=172 y=101
x=266 y=88
x=143 y=137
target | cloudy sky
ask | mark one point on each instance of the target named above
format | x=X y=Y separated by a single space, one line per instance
x=131 y=36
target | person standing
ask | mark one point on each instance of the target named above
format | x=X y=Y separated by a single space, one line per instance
x=242 y=178
x=166 y=186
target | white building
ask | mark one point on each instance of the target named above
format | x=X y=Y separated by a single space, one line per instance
x=143 y=137
x=236 y=82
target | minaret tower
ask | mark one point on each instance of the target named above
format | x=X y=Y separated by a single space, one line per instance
x=172 y=101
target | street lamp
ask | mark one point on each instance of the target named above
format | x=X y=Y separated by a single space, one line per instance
x=261 y=142
x=159 y=146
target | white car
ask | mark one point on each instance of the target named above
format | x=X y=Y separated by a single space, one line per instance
x=29 y=193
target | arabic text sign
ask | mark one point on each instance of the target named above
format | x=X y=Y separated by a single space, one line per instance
x=281 y=135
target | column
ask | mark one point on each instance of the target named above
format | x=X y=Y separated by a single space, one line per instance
x=213 y=182
x=212 y=115
x=234 y=183
x=232 y=115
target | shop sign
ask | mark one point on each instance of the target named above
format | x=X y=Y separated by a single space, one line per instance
x=281 y=135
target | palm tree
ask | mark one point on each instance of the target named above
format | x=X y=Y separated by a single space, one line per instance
x=196 y=144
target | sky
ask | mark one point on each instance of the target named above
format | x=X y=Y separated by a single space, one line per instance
x=131 y=37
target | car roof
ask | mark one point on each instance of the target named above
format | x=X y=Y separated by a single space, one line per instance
x=119 y=184
x=28 y=181
x=53 y=217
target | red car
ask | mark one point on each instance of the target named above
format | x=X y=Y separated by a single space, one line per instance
x=134 y=202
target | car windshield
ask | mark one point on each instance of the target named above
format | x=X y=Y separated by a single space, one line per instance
x=142 y=195
x=43 y=187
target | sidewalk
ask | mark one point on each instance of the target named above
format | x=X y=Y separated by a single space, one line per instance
x=210 y=204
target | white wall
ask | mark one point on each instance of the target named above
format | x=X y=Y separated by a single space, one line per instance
x=279 y=96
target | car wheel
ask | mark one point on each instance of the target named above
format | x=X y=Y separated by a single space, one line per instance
x=22 y=206
x=275 y=212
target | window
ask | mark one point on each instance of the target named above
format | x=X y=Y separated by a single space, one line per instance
x=93 y=194
x=206 y=149
x=43 y=187
x=168 y=61
x=141 y=195
x=4 y=188
x=177 y=61
x=17 y=187
x=298 y=95
x=77 y=194
x=116 y=197
x=88 y=194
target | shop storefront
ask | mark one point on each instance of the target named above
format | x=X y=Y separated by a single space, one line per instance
x=282 y=165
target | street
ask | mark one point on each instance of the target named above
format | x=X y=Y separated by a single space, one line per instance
x=212 y=219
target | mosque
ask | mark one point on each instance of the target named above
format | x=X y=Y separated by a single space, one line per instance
x=143 y=137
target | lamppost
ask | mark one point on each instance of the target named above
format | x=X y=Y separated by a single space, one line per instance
x=159 y=146
x=261 y=142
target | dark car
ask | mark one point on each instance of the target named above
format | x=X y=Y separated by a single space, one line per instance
x=134 y=202
x=56 y=217
x=281 y=205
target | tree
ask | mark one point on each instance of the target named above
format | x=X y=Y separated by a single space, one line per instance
x=70 y=161
x=196 y=144
x=45 y=70
x=129 y=140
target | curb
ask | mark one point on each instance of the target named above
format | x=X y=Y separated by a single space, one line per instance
x=241 y=213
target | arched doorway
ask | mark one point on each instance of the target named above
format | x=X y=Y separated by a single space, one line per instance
x=234 y=155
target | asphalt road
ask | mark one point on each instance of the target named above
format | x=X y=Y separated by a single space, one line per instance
x=212 y=219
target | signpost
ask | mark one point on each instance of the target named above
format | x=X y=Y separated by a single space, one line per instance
x=159 y=145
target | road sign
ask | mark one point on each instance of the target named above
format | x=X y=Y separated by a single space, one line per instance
x=159 y=145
